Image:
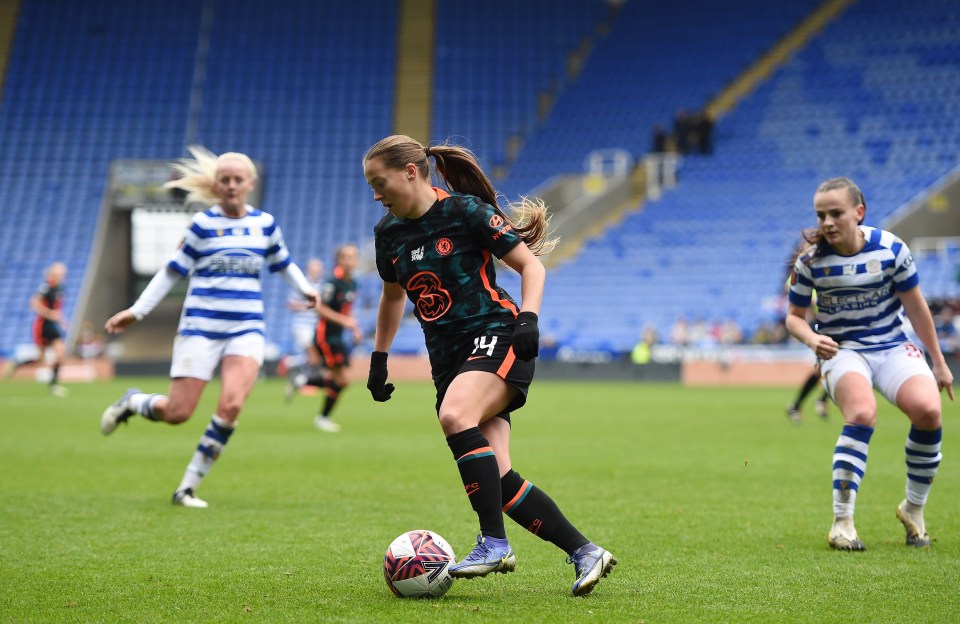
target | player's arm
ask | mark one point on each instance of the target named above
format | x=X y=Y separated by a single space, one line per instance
x=916 y=309
x=339 y=318
x=824 y=346
x=298 y=305
x=393 y=300
x=533 y=276
x=293 y=275
x=152 y=295
x=526 y=333
x=39 y=306
x=389 y=315
x=344 y=320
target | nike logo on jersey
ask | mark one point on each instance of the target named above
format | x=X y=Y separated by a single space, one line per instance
x=394 y=261
x=475 y=357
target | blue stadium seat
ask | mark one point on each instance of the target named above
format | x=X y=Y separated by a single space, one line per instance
x=870 y=98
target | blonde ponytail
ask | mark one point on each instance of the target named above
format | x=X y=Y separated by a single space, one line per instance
x=198 y=176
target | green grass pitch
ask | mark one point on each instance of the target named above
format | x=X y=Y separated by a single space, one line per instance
x=717 y=507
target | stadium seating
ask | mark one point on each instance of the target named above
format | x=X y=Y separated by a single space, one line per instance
x=872 y=98
x=316 y=92
x=657 y=59
x=305 y=87
x=479 y=104
x=86 y=82
x=941 y=272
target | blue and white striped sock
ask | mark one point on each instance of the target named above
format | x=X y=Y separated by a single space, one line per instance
x=144 y=404
x=923 y=459
x=849 y=464
x=209 y=449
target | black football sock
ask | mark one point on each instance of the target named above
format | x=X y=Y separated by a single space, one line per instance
x=808 y=385
x=481 y=478
x=316 y=380
x=333 y=393
x=531 y=508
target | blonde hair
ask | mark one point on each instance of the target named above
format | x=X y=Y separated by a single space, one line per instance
x=198 y=176
x=461 y=173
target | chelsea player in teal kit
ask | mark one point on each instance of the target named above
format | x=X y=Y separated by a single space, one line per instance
x=437 y=248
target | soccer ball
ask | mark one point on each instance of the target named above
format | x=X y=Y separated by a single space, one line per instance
x=417 y=565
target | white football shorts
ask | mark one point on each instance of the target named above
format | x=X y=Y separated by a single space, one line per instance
x=885 y=369
x=197 y=357
x=303 y=337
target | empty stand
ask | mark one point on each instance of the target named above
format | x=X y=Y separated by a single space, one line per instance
x=305 y=87
x=871 y=98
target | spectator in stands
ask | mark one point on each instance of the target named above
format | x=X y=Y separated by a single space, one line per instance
x=303 y=322
x=862 y=346
x=223 y=254
x=946 y=323
x=48 y=325
x=680 y=332
x=703 y=125
x=682 y=128
x=660 y=139
x=763 y=334
x=658 y=151
x=779 y=333
x=700 y=334
x=90 y=343
x=730 y=332
x=549 y=347
x=435 y=248
x=336 y=314
x=641 y=352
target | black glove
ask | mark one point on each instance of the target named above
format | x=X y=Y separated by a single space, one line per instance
x=377 y=381
x=526 y=336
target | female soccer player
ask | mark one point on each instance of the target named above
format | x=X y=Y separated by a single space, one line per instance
x=303 y=320
x=335 y=312
x=864 y=277
x=223 y=253
x=48 y=332
x=437 y=247
x=794 y=411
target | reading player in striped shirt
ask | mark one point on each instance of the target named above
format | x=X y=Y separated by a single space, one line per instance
x=437 y=248
x=864 y=278
x=223 y=253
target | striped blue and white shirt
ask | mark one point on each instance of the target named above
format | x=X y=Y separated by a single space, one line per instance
x=224 y=258
x=857 y=303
